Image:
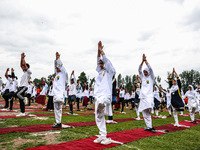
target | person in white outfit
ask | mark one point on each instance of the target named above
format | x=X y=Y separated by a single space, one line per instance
x=192 y=102
x=146 y=93
x=168 y=96
x=72 y=92
x=198 y=97
x=23 y=84
x=137 y=94
x=157 y=100
x=59 y=90
x=103 y=93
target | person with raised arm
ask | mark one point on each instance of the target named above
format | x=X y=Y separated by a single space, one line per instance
x=146 y=93
x=23 y=84
x=59 y=90
x=72 y=92
x=137 y=94
x=176 y=99
x=103 y=93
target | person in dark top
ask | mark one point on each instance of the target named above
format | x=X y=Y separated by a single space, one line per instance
x=176 y=99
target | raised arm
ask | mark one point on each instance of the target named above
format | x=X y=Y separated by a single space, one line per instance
x=23 y=62
x=107 y=63
x=6 y=74
x=140 y=67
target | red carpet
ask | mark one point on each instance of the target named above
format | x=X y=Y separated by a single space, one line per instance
x=121 y=136
x=4 y=117
x=46 y=127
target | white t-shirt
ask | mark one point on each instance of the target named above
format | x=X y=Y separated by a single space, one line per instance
x=25 y=78
x=13 y=85
x=30 y=88
x=103 y=85
x=60 y=79
x=121 y=93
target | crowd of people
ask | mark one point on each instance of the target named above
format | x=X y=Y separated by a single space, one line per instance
x=145 y=97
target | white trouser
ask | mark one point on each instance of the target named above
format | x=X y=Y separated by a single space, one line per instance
x=175 y=116
x=58 y=111
x=99 y=116
x=192 y=113
x=199 y=108
x=156 y=112
x=137 y=112
x=169 y=110
x=147 y=117
x=181 y=112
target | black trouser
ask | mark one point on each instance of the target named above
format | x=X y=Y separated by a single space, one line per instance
x=50 y=103
x=132 y=103
x=29 y=99
x=10 y=96
x=91 y=99
x=71 y=99
x=6 y=98
x=77 y=102
x=20 y=95
x=121 y=100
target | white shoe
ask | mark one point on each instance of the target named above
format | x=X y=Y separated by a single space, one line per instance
x=21 y=114
x=138 y=118
x=106 y=141
x=4 y=109
x=177 y=125
x=98 y=140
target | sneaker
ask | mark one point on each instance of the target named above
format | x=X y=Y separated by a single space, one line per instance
x=70 y=113
x=147 y=129
x=98 y=140
x=169 y=115
x=21 y=114
x=150 y=129
x=193 y=121
x=138 y=118
x=78 y=110
x=106 y=141
x=57 y=125
x=153 y=130
x=177 y=125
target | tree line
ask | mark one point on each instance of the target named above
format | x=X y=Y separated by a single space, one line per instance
x=191 y=77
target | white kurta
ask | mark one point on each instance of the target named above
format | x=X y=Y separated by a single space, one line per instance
x=146 y=93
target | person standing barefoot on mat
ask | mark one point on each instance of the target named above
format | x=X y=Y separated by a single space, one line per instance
x=103 y=94
x=146 y=93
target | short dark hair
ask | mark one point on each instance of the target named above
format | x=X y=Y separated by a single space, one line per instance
x=27 y=65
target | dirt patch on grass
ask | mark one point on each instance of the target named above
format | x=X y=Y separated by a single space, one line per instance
x=19 y=141
x=9 y=113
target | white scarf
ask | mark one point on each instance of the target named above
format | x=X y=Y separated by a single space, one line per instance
x=174 y=88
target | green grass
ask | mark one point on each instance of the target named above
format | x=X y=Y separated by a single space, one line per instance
x=186 y=139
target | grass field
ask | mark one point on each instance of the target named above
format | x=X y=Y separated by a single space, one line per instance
x=184 y=140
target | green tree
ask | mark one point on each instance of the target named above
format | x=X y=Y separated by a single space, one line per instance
x=191 y=77
x=91 y=81
x=119 y=79
x=82 y=78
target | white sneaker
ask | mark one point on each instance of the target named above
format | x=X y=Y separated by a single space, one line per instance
x=138 y=118
x=98 y=140
x=21 y=114
x=177 y=125
x=106 y=141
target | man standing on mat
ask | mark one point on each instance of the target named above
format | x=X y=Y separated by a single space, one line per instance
x=103 y=93
x=146 y=93
x=59 y=90
x=23 y=84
